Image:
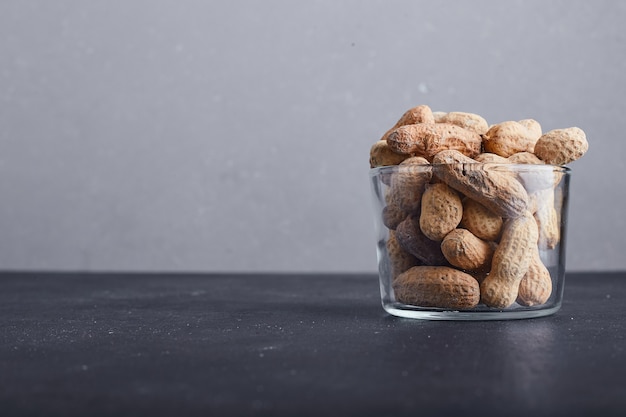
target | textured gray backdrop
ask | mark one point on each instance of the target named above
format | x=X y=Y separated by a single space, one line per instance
x=160 y=135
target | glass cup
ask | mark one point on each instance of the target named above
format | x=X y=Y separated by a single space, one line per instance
x=477 y=241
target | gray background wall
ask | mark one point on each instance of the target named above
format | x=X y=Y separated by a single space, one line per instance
x=162 y=135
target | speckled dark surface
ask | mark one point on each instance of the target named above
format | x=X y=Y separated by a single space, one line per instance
x=217 y=344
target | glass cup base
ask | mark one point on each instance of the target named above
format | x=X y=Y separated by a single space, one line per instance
x=401 y=310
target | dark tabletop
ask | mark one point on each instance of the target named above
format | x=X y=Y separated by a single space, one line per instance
x=294 y=345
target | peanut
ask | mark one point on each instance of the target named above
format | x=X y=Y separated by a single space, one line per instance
x=510 y=263
x=441 y=211
x=412 y=240
x=437 y=286
x=469 y=121
x=439 y=116
x=507 y=138
x=491 y=158
x=547 y=219
x=407 y=184
x=535 y=287
x=499 y=192
x=428 y=139
x=562 y=146
x=392 y=215
x=525 y=158
x=414 y=115
x=382 y=155
x=481 y=221
x=464 y=250
x=399 y=259
x=533 y=126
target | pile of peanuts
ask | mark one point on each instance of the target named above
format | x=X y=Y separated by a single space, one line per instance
x=464 y=229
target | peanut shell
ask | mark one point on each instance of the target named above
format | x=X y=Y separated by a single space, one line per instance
x=382 y=155
x=562 y=146
x=535 y=287
x=507 y=138
x=481 y=221
x=428 y=139
x=399 y=259
x=441 y=211
x=414 y=115
x=408 y=183
x=498 y=191
x=392 y=215
x=547 y=219
x=533 y=126
x=439 y=116
x=469 y=121
x=491 y=158
x=437 y=286
x=464 y=250
x=525 y=158
x=412 y=240
x=510 y=263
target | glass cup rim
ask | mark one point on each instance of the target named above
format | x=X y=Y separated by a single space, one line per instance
x=491 y=166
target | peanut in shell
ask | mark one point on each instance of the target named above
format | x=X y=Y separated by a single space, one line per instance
x=408 y=183
x=392 y=215
x=508 y=138
x=491 y=158
x=464 y=250
x=382 y=155
x=412 y=239
x=498 y=191
x=428 y=139
x=414 y=115
x=441 y=211
x=533 y=126
x=561 y=146
x=481 y=221
x=535 y=287
x=399 y=259
x=547 y=219
x=525 y=158
x=469 y=121
x=437 y=286
x=510 y=262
